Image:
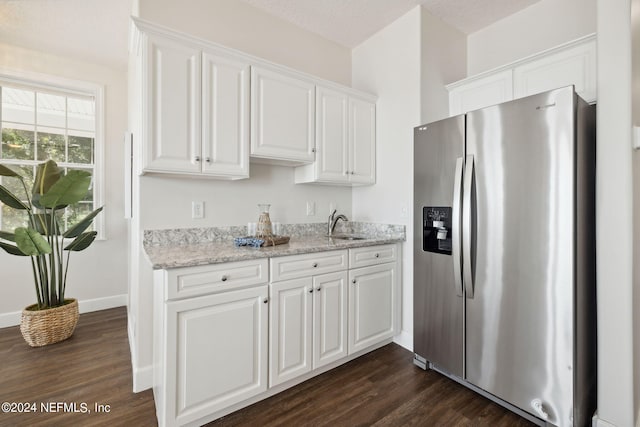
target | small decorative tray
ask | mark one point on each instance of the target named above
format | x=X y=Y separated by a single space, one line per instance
x=256 y=242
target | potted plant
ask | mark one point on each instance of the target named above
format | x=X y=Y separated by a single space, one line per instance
x=53 y=318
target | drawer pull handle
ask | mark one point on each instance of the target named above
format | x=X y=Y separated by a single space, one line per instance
x=224 y=278
x=377 y=255
x=315 y=264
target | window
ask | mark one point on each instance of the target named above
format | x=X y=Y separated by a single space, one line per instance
x=43 y=120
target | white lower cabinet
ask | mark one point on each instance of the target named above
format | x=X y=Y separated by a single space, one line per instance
x=372 y=298
x=223 y=336
x=308 y=325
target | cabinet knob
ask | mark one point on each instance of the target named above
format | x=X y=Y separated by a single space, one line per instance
x=346 y=172
x=353 y=173
x=208 y=160
x=313 y=150
x=353 y=281
x=266 y=300
x=377 y=255
x=311 y=290
x=315 y=264
x=197 y=158
x=224 y=278
x=318 y=289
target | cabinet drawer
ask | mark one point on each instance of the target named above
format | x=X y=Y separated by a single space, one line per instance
x=208 y=279
x=372 y=255
x=292 y=267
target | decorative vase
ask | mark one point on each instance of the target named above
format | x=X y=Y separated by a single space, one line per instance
x=264 y=221
x=49 y=326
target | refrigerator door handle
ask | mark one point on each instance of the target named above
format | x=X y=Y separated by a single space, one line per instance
x=456 y=227
x=466 y=225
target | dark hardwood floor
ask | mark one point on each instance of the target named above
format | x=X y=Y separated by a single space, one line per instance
x=382 y=388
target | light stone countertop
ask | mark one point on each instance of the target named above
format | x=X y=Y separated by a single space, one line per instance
x=189 y=255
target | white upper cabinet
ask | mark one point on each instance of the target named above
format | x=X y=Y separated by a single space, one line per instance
x=225 y=116
x=171 y=101
x=345 y=140
x=481 y=92
x=195 y=104
x=573 y=63
x=282 y=117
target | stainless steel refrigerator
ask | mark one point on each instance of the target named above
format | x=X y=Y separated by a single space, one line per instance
x=504 y=254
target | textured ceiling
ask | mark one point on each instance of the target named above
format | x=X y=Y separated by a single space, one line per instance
x=350 y=22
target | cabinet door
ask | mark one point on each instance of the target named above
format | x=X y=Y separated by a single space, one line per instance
x=217 y=351
x=371 y=305
x=290 y=329
x=282 y=116
x=362 y=142
x=331 y=135
x=329 y=318
x=225 y=116
x=172 y=106
x=481 y=92
x=571 y=66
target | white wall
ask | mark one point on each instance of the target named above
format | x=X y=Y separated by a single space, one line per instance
x=97 y=276
x=614 y=189
x=543 y=25
x=406 y=64
x=635 y=111
x=238 y=25
x=166 y=202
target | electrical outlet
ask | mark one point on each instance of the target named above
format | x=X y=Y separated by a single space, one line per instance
x=311 y=208
x=197 y=210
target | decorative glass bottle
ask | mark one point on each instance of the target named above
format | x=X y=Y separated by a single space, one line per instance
x=264 y=222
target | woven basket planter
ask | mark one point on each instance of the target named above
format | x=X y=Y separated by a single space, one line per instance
x=43 y=327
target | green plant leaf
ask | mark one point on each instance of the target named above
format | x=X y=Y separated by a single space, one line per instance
x=82 y=225
x=43 y=225
x=11 y=249
x=5 y=171
x=7 y=236
x=82 y=242
x=47 y=174
x=30 y=242
x=9 y=199
x=69 y=189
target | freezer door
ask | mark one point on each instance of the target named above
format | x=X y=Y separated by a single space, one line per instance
x=519 y=319
x=438 y=303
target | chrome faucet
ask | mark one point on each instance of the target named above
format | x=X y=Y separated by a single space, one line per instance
x=333 y=220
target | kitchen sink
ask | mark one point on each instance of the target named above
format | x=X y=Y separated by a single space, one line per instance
x=346 y=237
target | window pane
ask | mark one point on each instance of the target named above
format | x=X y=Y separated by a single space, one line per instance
x=76 y=213
x=51 y=110
x=17 y=144
x=15 y=186
x=51 y=146
x=80 y=149
x=18 y=105
x=81 y=114
x=13 y=218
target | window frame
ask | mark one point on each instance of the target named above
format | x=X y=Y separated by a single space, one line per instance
x=46 y=82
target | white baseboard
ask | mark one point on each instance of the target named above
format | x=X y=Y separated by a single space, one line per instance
x=142 y=378
x=404 y=339
x=596 y=421
x=84 y=306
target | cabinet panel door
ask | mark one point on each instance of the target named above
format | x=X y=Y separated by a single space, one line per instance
x=482 y=92
x=172 y=106
x=371 y=305
x=329 y=318
x=282 y=116
x=362 y=142
x=290 y=329
x=225 y=115
x=573 y=66
x=331 y=135
x=218 y=346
